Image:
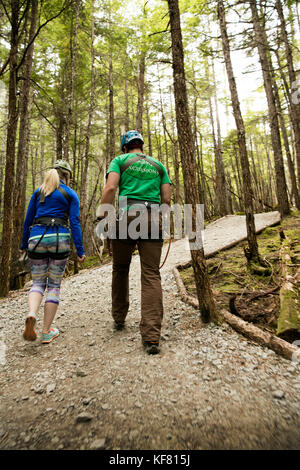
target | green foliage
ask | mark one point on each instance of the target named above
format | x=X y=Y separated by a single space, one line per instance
x=129 y=31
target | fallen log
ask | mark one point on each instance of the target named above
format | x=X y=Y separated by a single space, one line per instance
x=264 y=338
x=288 y=324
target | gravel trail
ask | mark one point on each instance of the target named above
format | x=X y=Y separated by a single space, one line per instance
x=94 y=388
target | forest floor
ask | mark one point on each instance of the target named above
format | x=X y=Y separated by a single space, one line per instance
x=94 y=388
x=255 y=291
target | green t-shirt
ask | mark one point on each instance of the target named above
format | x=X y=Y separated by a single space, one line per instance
x=140 y=180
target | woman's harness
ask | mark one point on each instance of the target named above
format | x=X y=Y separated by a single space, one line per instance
x=51 y=222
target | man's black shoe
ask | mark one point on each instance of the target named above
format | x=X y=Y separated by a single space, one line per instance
x=151 y=347
x=119 y=326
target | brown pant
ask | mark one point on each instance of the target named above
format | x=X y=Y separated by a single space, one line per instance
x=151 y=295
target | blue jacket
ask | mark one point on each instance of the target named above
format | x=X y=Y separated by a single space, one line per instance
x=55 y=205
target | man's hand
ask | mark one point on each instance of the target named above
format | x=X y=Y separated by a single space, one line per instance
x=81 y=258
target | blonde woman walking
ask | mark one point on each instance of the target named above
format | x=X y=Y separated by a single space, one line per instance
x=46 y=236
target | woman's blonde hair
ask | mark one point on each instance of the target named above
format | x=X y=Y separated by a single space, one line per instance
x=51 y=182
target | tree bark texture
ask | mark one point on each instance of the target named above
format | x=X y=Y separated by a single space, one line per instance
x=22 y=154
x=10 y=152
x=246 y=176
x=186 y=143
x=266 y=66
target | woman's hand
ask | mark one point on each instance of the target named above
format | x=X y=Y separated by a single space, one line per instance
x=81 y=258
x=21 y=251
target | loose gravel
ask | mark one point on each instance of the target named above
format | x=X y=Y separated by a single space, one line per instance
x=94 y=388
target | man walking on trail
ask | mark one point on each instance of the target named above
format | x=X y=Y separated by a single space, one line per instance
x=143 y=182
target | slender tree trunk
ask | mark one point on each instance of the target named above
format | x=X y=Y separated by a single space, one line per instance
x=220 y=171
x=176 y=161
x=265 y=62
x=126 y=99
x=22 y=155
x=187 y=151
x=60 y=129
x=164 y=125
x=141 y=89
x=257 y=200
x=217 y=195
x=85 y=165
x=247 y=186
x=293 y=179
x=73 y=50
x=149 y=130
x=295 y=107
x=112 y=150
x=2 y=163
x=10 y=152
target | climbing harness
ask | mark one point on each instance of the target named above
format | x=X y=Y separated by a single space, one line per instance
x=51 y=222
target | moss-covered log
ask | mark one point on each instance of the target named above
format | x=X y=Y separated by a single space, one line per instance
x=264 y=338
x=288 y=325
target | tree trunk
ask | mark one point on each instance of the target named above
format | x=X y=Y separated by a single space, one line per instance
x=295 y=111
x=295 y=191
x=176 y=162
x=85 y=165
x=141 y=89
x=185 y=137
x=22 y=155
x=126 y=99
x=247 y=186
x=220 y=171
x=10 y=152
x=73 y=50
x=164 y=125
x=149 y=130
x=2 y=162
x=265 y=62
x=112 y=150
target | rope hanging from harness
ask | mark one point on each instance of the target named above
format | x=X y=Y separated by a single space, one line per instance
x=167 y=254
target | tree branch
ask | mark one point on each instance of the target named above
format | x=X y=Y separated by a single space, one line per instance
x=6 y=12
x=43 y=115
x=160 y=32
x=39 y=29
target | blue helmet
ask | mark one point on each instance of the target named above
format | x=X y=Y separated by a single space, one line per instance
x=130 y=135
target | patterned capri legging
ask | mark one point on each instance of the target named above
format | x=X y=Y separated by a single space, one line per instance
x=46 y=269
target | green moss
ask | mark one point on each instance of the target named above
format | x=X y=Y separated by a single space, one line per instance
x=259 y=270
x=229 y=272
x=270 y=231
x=289 y=319
x=94 y=261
